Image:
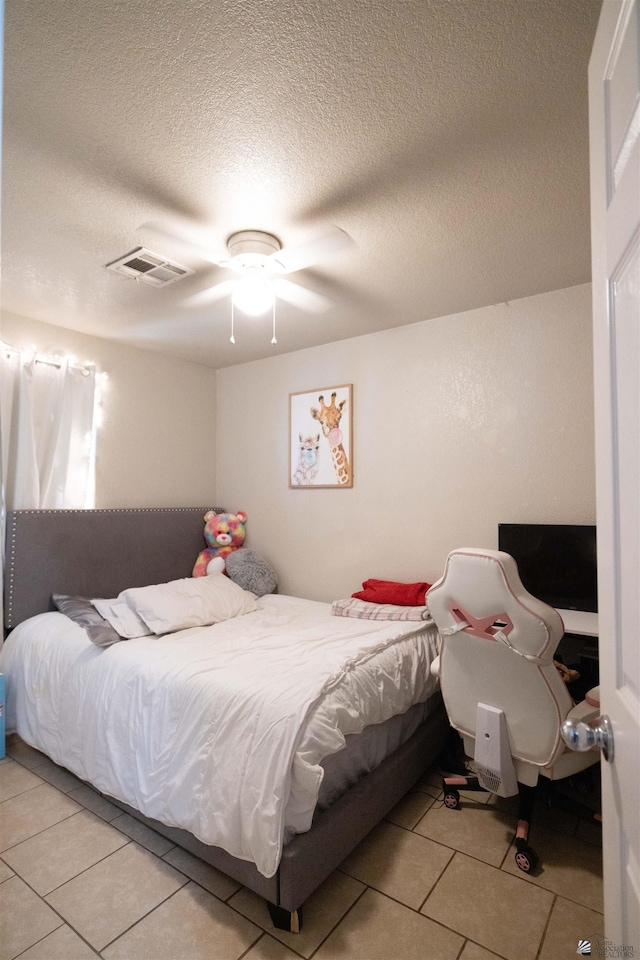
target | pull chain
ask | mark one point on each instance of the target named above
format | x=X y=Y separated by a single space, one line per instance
x=232 y=338
x=273 y=338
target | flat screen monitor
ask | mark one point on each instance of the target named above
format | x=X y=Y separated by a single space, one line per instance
x=557 y=562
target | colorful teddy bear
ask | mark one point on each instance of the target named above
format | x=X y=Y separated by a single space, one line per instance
x=224 y=532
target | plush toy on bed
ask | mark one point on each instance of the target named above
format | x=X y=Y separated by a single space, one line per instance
x=251 y=572
x=224 y=533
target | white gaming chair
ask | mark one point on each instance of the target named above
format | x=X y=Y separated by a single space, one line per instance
x=500 y=687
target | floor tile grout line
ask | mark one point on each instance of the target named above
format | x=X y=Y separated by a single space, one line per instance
x=503 y=861
x=141 y=918
x=458 y=932
x=400 y=903
x=414 y=831
x=182 y=887
x=454 y=851
x=263 y=934
x=475 y=943
x=44 y=896
x=337 y=924
x=95 y=793
x=25 y=765
x=128 y=841
x=161 y=856
x=75 y=813
x=32 y=945
x=197 y=882
x=506 y=854
x=417 y=911
x=53 y=910
x=383 y=893
x=65 y=924
x=28 y=790
x=546 y=926
x=131 y=840
x=78 y=783
x=410 y=830
x=38 y=832
x=447 y=865
x=245 y=917
x=445 y=846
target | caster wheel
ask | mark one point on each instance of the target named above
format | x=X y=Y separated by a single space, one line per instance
x=451 y=798
x=526 y=858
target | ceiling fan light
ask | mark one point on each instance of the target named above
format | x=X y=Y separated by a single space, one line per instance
x=254 y=295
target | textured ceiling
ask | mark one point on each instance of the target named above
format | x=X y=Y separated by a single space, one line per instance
x=448 y=138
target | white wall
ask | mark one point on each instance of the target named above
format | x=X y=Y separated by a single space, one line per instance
x=156 y=447
x=459 y=424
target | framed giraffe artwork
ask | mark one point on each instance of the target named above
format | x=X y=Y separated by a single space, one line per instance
x=321 y=438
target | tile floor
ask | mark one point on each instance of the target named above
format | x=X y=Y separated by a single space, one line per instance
x=79 y=879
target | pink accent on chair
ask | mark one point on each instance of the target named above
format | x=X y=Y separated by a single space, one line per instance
x=483 y=627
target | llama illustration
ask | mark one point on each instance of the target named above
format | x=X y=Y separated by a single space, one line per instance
x=308 y=450
x=329 y=419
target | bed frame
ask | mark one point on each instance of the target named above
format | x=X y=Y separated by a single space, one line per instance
x=101 y=552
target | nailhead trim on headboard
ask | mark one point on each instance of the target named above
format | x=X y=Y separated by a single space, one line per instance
x=13 y=534
x=11 y=570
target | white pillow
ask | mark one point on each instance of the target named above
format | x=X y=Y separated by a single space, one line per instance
x=122 y=618
x=192 y=602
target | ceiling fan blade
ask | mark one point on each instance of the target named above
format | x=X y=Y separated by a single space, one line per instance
x=210 y=295
x=302 y=297
x=306 y=254
x=185 y=238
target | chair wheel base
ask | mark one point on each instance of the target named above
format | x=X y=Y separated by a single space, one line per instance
x=451 y=798
x=526 y=858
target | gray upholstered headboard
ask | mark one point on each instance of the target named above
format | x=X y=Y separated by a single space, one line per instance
x=95 y=553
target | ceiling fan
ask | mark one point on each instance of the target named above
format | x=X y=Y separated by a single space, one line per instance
x=260 y=264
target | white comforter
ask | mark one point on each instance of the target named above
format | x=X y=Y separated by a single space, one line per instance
x=219 y=730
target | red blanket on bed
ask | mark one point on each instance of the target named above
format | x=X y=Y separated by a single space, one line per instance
x=389 y=591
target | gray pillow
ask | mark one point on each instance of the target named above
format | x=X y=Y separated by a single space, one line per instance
x=251 y=571
x=83 y=612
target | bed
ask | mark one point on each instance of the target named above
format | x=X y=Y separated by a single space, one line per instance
x=337 y=777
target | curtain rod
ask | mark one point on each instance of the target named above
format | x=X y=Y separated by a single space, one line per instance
x=86 y=368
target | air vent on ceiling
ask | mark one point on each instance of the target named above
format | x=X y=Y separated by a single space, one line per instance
x=147 y=267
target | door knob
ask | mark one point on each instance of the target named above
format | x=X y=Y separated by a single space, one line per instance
x=580 y=736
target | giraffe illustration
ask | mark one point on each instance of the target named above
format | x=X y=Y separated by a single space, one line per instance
x=329 y=419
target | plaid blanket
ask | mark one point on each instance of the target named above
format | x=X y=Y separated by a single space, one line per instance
x=365 y=610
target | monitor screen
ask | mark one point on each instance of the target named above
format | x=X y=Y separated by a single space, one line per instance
x=557 y=562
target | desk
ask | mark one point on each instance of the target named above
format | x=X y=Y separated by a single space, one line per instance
x=579 y=646
x=580 y=622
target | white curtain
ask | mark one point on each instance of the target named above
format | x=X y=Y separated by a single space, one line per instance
x=47 y=434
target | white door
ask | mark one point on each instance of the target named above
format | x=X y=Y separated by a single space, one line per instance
x=614 y=106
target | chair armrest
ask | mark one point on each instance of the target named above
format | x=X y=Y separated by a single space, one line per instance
x=593 y=696
x=584 y=712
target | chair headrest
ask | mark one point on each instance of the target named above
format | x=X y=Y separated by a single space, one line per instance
x=483 y=589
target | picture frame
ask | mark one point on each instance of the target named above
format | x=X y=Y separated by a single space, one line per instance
x=321 y=438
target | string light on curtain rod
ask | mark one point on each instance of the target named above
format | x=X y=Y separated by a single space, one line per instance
x=55 y=360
